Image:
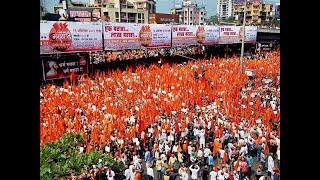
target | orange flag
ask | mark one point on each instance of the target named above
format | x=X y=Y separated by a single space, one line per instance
x=225 y=157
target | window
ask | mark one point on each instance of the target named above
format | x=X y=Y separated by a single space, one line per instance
x=117 y=14
x=142 y=16
x=185 y=12
x=201 y=13
x=142 y=21
x=190 y=23
x=139 y=15
x=139 y=21
x=190 y=12
x=123 y=15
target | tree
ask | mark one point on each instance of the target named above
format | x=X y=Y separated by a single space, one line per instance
x=214 y=19
x=59 y=159
x=230 y=19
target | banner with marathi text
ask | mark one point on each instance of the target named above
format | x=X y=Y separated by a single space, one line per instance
x=251 y=34
x=210 y=35
x=62 y=67
x=185 y=35
x=230 y=34
x=60 y=37
x=119 y=36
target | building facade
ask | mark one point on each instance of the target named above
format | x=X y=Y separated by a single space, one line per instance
x=159 y=18
x=127 y=11
x=277 y=11
x=225 y=9
x=257 y=12
x=190 y=13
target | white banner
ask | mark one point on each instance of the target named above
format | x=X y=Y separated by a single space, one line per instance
x=136 y=36
x=185 y=35
x=59 y=37
x=251 y=34
x=230 y=34
x=211 y=35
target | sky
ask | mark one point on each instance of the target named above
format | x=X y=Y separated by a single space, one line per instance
x=163 y=6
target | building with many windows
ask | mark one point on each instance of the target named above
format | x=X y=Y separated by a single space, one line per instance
x=130 y=11
x=190 y=13
x=257 y=12
x=277 y=11
x=125 y=11
x=225 y=9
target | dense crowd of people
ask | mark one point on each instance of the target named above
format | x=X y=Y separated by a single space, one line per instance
x=109 y=56
x=196 y=120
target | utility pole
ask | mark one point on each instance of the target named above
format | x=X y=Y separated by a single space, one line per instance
x=242 y=43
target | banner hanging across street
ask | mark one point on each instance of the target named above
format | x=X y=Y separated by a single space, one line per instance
x=136 y=36
x=60 y=37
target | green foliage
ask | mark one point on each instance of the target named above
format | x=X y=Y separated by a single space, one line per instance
x=230 y=19
x=59 y=158
x=214 y=19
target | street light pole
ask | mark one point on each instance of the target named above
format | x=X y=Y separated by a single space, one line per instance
x=242 y=42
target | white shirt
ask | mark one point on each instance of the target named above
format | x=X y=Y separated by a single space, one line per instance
x=156 y=154
x=175 y=148
x=167 y=148
x=150 y=172
x=220 y=177
x=221 y=151
x=206 y=152
x=107 y=149
x=201 y=135
x=278 y=154
x=213 y=175
x=127 y=174
x=270 y=164
x=194 y=172
x=244 y=149
x=199 y=153
x=110 y=177
x=189 y=149
x=183 y=173
x=81 y=149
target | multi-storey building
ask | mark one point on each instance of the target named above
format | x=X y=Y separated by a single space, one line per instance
x=276 y=12
x=130 y=11
x=257 y=12
x=190 y=13
x=225 y=9
x=127 y=11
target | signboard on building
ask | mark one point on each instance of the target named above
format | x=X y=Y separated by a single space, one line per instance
x=83 y=14
x=61 y=36
x=119 y=36
x=159 y=18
